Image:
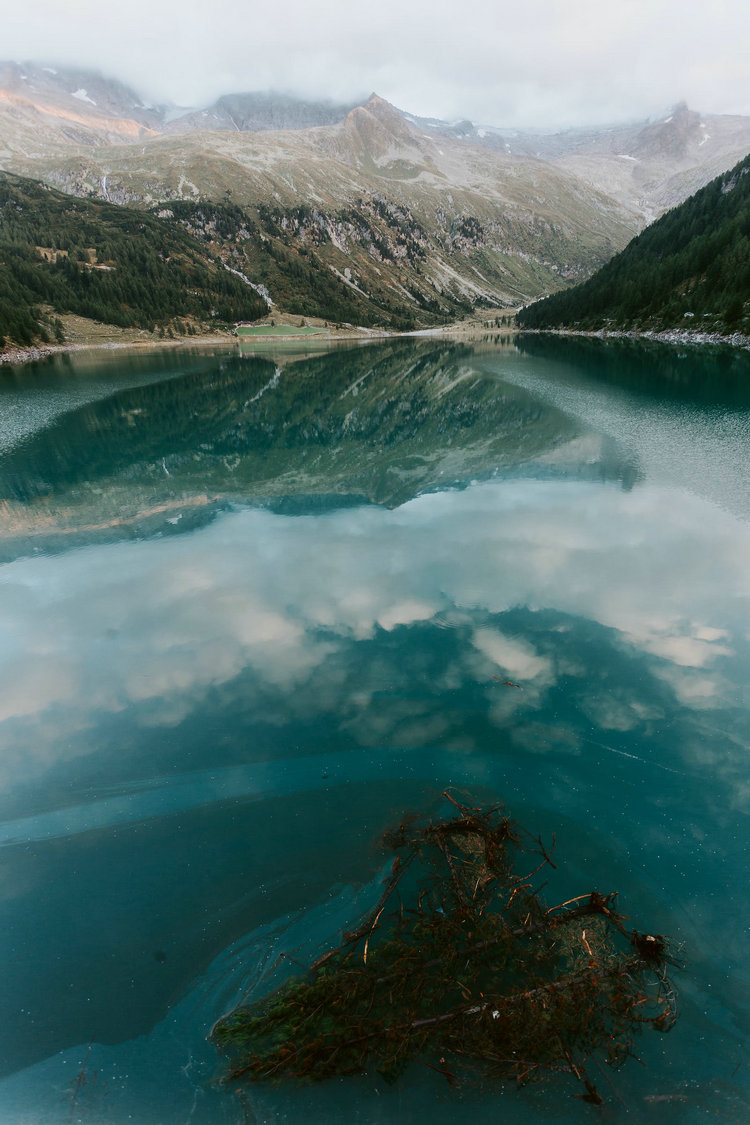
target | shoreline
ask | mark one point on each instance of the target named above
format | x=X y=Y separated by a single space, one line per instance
x=666 y=336
x=19 y=356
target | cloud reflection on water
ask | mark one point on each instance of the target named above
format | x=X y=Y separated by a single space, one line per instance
x=150 y=628
x=202 y=732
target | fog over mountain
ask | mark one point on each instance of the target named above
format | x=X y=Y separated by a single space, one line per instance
x=543 y=63
x=358 y=213
x=51 y=118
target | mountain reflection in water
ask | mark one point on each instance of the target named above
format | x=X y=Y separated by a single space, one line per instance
x=203 y=735
x=381 y=423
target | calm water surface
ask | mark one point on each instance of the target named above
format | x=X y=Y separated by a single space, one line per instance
x=253 y=608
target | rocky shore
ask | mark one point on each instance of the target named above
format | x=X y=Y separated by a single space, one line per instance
x=23 y=355
x=674 y=336
x=669 y=336
x=43 y=351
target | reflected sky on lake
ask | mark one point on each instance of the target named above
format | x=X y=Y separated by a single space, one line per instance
x=154 y=626
x=205 y=727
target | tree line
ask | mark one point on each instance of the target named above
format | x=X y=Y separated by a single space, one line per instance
x=689 y=269
x=60 y=254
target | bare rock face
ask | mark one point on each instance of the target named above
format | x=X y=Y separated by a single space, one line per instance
x=259 y=113
x=74 y=105
x=671 y=139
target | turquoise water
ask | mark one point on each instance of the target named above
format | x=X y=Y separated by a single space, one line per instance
x=252 y=609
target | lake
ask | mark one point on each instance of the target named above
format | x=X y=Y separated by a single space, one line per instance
x=256 y=607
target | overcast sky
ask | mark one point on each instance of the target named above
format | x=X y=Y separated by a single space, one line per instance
x=530 y=62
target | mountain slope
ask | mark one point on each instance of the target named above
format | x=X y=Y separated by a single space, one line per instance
x=61 y=255
x=648 y=166
x=42 y=107
x=258 y=113
x=362 y=214
x=390 y=217
x=690 y=268
x=659 y=165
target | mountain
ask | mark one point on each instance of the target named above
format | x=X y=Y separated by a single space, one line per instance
x=42 y=107
x=689 y=269
x=655 y=166
x=259 y=113
x=647 y=166
x=61 y=255
x=367 y=220
x=362 y=214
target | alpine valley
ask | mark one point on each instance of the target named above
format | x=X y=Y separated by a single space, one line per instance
x=358 y=213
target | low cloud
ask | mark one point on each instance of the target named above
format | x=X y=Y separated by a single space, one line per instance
x=542 y=63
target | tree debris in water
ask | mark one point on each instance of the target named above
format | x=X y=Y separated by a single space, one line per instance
x=462 y=966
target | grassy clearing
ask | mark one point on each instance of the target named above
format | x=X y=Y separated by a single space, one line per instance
x=277 y=330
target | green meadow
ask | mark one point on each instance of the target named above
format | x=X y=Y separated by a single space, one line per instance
x=277 y=330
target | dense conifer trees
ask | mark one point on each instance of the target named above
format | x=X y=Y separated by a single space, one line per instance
x=690 y=269
x=60 y=254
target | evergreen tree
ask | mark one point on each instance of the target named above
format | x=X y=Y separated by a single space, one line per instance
x=690 y=268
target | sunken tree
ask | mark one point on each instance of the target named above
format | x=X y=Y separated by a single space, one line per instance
x=462 y=966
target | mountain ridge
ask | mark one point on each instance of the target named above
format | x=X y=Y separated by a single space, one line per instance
x=371 y=216
x=629 y=160
x=419 y=230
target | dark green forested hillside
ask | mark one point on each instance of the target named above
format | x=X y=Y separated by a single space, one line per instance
x=695 y=260
x=262 y=242
x=60 y=254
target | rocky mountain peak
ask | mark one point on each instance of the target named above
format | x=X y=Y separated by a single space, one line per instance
x=260 y=112
x=671 y=137
x=377 y=118
x=50 y=86
x=79 y=105
x=386 y=113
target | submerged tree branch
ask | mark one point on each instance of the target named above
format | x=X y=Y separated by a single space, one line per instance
x=472 y=965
